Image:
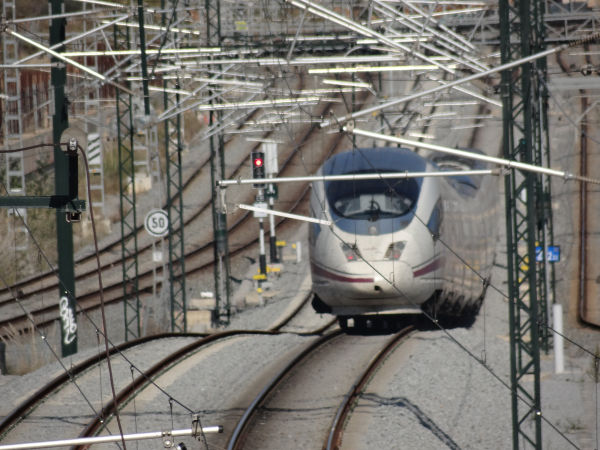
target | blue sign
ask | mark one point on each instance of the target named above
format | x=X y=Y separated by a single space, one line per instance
x=552 y=255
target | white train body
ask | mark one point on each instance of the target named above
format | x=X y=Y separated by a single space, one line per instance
x=387 y=251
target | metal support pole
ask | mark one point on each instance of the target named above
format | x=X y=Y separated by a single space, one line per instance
x=143 y=60
x=64 y=229
x=522 y=35
x=222 y=311
x=271 y=166
x=272 y=237
x=127 y=199
x=174 y=175
x=559 y=358
x=261 y=240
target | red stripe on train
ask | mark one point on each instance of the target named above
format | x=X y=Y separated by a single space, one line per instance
x=333 y=276
x=433 y=265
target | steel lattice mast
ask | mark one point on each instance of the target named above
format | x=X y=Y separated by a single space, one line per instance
x=527 y=212
x=174 y=180
x=127 y=196
x=217 y=170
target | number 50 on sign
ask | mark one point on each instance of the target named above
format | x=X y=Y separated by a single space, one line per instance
x=157 y=223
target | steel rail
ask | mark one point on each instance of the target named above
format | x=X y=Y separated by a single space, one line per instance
x=130 y=391
x=95 y=425
x=85 y=298
x=329 y=324
x=282 y=323
x=113 y=293
x=41 y=394
x=38 y=397
x=334 y=439
x=239 y=433
x=22 y=283
x=52 y=286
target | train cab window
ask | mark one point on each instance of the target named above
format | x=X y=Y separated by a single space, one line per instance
x=372 y=199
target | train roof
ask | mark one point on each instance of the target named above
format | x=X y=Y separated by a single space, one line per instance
x=374 y=159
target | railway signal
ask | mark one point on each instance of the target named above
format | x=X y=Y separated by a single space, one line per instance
x=258 y=172
x=258 y=168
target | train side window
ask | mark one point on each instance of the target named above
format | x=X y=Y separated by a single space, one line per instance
x=314 y=229
x=435 y=220
x=313 y=234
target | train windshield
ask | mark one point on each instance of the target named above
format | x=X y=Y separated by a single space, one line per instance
x=373 y=199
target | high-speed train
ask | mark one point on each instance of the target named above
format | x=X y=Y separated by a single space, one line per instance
x=400 y=245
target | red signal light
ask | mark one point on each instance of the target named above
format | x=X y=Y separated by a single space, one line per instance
x=258 y=167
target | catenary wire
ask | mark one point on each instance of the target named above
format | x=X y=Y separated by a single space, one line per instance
x=81 y=311
x=499 y=291
x=436 y=322
x=15 y=297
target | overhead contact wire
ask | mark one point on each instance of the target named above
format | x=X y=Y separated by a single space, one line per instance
x=101 y=291
x=434 y=321
x=82 y=311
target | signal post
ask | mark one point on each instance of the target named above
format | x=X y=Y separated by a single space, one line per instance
x=65 y=199
x=257 y=160
x=271 y=167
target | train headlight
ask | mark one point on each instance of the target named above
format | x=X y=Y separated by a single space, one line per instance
x=395 y=250
x=350 y=252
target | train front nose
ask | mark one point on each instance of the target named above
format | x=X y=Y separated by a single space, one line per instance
x=383 y=283
x=392 y=279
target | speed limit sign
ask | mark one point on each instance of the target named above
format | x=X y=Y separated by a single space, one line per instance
x=157 y=223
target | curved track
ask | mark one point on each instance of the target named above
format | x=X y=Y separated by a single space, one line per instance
x=197 y=260
x=58 y=408
x=86 y=265
x=57 y=382
x=336 y=433
x=305 y=403
x=82 y=377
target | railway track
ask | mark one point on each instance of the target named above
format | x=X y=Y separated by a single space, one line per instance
x=198 y=259
x=22 y=424
x=128 y=393
x=336 y=432
x=47 y=399
x=306 y=404
x=110 y=254
x=86 y=271
x=47 y=281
